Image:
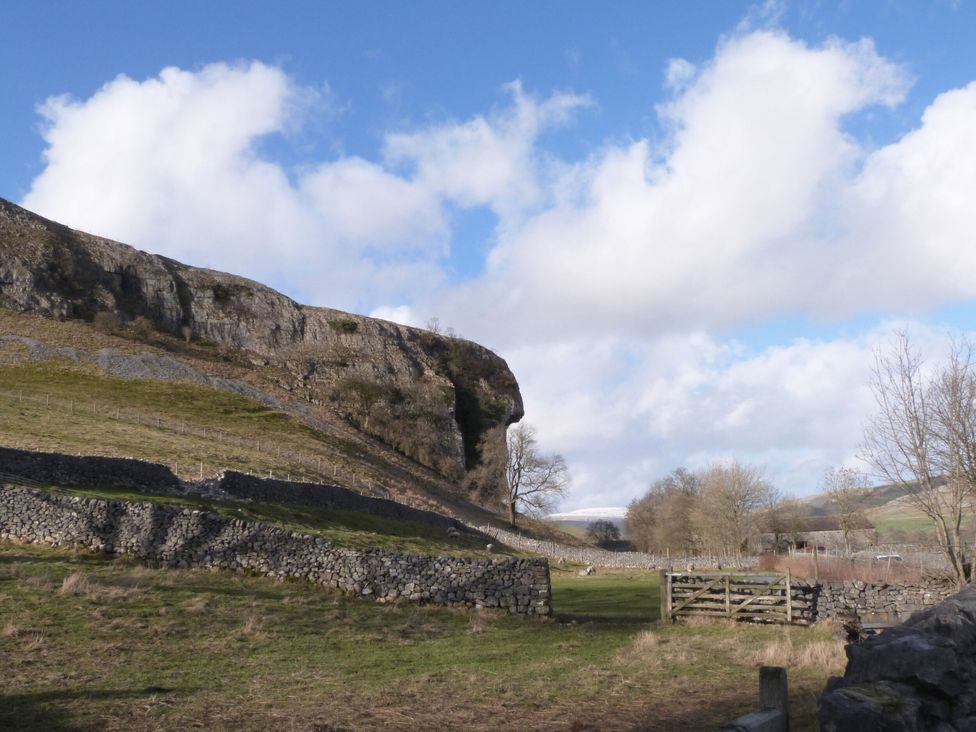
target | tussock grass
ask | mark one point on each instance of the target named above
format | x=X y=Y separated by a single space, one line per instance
x=823 y=654
x=76 y=584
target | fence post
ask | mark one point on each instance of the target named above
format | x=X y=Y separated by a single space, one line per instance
x=774 y=692
x=789 y=610
x=665 y=595
x=728 y=595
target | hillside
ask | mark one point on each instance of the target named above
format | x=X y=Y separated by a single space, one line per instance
x=106 y=349
x=430 y=397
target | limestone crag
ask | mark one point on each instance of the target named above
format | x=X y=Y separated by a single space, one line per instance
x=918 y=676
x=429 y=396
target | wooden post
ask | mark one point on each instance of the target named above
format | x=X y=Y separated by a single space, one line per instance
x=773 y=714
x=774 y=692
x=789 y=607
x=816 y=564
x=728 y=595
x=665 y=595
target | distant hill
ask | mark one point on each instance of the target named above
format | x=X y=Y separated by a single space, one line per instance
x=575 y=522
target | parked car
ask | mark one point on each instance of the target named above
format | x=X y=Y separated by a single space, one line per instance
x=889 y=558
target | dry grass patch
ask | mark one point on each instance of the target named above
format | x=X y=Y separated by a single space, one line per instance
x=198 y=604
x=10 y=631
x=76 y=584
x=253 y=626
x=34 y=641
x=39 y=581
x=823 y=652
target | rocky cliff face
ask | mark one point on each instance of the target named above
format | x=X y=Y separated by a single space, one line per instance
x=429 y=396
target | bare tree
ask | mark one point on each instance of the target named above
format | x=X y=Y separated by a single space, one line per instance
x=661 y=519
x=923 y=438
x=733 y=497
x=535 y=482
x=785 y=521
x=847 y=489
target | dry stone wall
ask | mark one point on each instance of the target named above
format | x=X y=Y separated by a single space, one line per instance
x=59 y=469
x=840 y=600
x=177 y=537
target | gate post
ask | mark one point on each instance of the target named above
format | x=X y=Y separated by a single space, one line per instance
x=789 y=598
x=665 y=595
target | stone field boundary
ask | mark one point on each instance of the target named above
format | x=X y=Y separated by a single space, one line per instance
x=184 y=538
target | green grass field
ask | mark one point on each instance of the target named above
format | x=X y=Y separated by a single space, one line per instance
x=95 y=643
x=81 y=418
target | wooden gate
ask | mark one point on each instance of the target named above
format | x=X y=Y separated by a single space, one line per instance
x=749 y=596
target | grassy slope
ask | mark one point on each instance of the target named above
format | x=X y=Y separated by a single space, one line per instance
x=131 y=648
x=91 y=426
x=30 y=425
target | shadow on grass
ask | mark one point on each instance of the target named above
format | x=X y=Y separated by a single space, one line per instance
x=606 y=618
x=86 y=558
x=45 y=710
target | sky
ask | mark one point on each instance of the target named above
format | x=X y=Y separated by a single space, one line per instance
x=687 y=227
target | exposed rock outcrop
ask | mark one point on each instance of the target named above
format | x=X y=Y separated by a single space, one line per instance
x=429 y=396
x=920 y=675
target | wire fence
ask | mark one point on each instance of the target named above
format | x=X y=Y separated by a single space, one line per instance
x=275 y=461
x=923 y=557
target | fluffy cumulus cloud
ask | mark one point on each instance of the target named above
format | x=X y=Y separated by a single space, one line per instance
x=174 y=164
x=616 y=284
x=750 y=206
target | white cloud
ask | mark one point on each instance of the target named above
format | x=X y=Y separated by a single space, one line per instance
x=732 y=219
x=172 y=164
x=678 y=73
x=401 y=314
x=362 y=204
x=485 y=161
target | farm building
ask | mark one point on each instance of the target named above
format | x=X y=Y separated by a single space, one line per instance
x=825 y=532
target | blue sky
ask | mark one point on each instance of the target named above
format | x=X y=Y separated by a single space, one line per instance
x=685 y=225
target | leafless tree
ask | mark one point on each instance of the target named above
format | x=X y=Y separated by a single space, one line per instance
x=923 y=438
x=733 y=497
x=847 y=489
x=534 y=481
x=661 y=519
